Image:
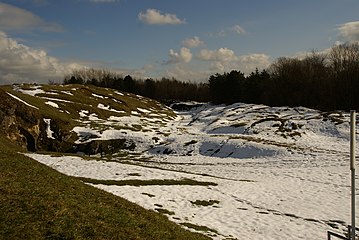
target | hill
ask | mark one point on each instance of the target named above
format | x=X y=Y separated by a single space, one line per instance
x=40 y=203
x=53 y=117
x=228 y=171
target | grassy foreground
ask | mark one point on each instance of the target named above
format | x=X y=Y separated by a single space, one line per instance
x=37 y=202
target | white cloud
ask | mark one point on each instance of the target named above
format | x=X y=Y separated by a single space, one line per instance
x=248 y=63
x=192 y=42
x=155 y=17
x=217 y=67
x=225 y=60
x=14 y=18
x=221 y=54
x=201 y=73
x=184 y=56
x=349 y=31
x=238 y=29
x=183 y=73
x=20 y=63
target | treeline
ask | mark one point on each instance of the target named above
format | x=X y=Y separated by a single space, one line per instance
x=326 y=81
x=322 y=81
x=164 y=90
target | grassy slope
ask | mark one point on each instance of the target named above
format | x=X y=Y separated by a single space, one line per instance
x=40 y=203
x=82 y=99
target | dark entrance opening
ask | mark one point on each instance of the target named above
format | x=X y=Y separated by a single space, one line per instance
x=30 y=140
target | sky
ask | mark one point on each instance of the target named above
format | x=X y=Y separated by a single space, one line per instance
x=190 y=40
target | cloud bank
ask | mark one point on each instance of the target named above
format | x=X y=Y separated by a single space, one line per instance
x=17 y=19
x=349 y=31
x=184 y=56
x=225 y=60
x=155 y=17
x=20 y=63
x=221 y=54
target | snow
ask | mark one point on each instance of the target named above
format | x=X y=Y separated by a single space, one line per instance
x=108 y=108
x=56 y=99
x=67 y=92
x=280 y=173
x=27 y=104
x=92 y=117
x=52 y=104
x=36 y=90
x=48 y=128
x=52 y=93
x=83 y=113
x=98 y=96
x=85 y=133
x=135 y=113
x=143 y=110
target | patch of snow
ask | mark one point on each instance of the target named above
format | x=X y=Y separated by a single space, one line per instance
x=85 y=134
x=108 y=108
x=83 y=113
x=101 y=106
x=56 y=100
x=52 y=104
x=98 y=96
x=52 y=93
x=67 y=92
x=49 y=132
x=32 y=92
x=93 y=117
x=13 y=96
x=119 y=93
x=116 y=119
x=154 y=115
x=143 y=110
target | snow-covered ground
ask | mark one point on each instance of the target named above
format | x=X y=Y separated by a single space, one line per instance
x=277 y=173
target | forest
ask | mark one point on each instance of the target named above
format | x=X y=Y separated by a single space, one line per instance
x=324 y=81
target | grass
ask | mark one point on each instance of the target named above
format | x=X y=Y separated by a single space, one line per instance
x=164 y=211
x=38 y=202
x=204 y=203
x=135 y=182
x=82 y=99
x=199 y=227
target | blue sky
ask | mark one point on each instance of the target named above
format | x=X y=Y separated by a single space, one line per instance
x=43 y=40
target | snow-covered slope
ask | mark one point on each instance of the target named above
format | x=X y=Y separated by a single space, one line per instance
x=241 y=171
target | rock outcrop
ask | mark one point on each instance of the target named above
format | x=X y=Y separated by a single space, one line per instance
x=25 y=126
x=20 y=123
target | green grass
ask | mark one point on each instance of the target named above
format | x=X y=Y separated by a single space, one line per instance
x=38 y=202
x=164 y=211
x=204 y=203
x=82 y=99
x=135 y=182
x=199 y=227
